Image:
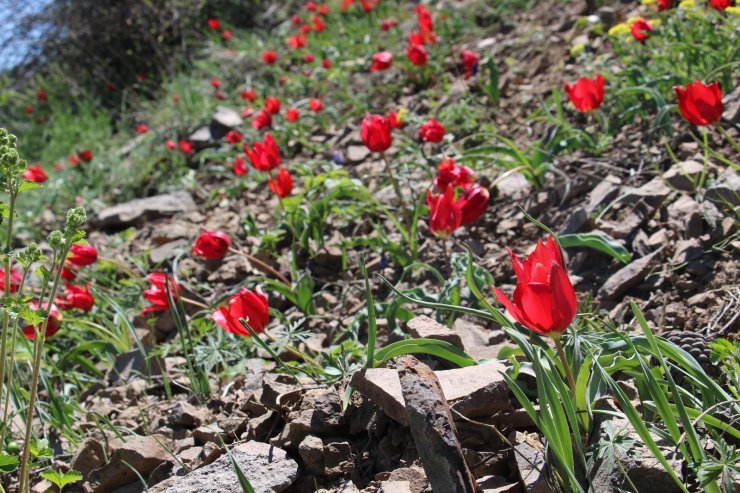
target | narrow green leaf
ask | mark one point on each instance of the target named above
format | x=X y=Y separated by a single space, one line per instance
x=434 y=347
x=597 y=241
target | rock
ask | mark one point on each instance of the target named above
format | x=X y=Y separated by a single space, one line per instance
x=167 y=251
x=320 y=413
x=602 y=194
x=184 y=414
x=42 y=486
x=202 y=138
x=190 y=455
x=497 y=484
x=628 y=276
x=414 y=475
x=207 y=433
x=268 y=468
x=575 y=221
x=433 y=428
x=357 y=154
x=653 y=193
x=529 y=454
x=684 y=175
x=311 y=450
x=258 y=427
x=478 y=341
x=513 y=186
x=686 y=251
x=338 y=459
x=725 y=189
x=134 y=364
x=90 y=455
x=280 y=392
x=731 y=103
x=226 y=117
x=423 y=326
x=140 y=211
x=139 y=454
x=395 y=487
x=475 y=391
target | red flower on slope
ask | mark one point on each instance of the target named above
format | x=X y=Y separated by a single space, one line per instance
x=157 y=294
x=248 y=305
x=586 y=94
x=212 y=245
x=264 y=156
x=699 y=103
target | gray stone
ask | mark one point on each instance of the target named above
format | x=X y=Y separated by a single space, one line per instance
x=134 y=364
x=513 y=186
x=726 y=189
x=201 y=137
x=395 y=487
x=185 y=414
x=529 y=454
x=684 y=175
x=268 y=468
x=226 y=117
x=731 y=102
x=357 y=154
x=628 y=276
x=423 y=326
x=140 y=211
x=602 y=194
x=653 y=193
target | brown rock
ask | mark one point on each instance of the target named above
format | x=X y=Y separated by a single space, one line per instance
x=628 y=276
x=529 y=454
x=423 y=326
x=138 y=454
x=90 y=455
x=684 y=175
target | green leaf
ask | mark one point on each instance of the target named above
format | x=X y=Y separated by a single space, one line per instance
x=27 y=185
x=40 y=449
x=597 y=241
x=434 y=347
x=62 y=479
x=8 y=463
x=372 y=328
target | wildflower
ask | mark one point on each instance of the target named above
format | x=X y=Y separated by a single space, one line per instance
x=41 y=96
x=74 y=160
x=77 y=297
x=162 y=283
x=141 y=76
x=170 y=144
x=720 y=4
x=316 y=105
x=15 y=280
x=282 y=184
x=296 y=19
x=297 y=41
x=544 y=298
x=272 y=105
x=233 y=136
x=185 y=146
x=247 y=112
x=248 y=305
x=417 y=54
x=262 y=120
x=249 y=95
x=640 y=30
x=318 y=24
x=212 y=245
x=269 y=57
x=586 y=94
x=142 y=128
x=215 y=83
x=86 y=155
x=291 y=115
x=82 y=255
x=239 y=166
x=264 y=156
x=445 y=214
x=227 y=35
x=326 y=63
x=376 y=133
x=470 y=61
x=308 y=58
x=432 y=131
x=473 y=203
x=665 y=4
x=381 y=61
x=68 y=273
x=699 y=103
x=214 y=24
x=35 y=174
x=397 y=119
x=53 y=324
x=388 y=24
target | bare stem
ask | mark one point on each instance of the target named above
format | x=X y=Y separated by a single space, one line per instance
x=397 y=189
x=729 y=138
x=261 y=264
x=569 y=375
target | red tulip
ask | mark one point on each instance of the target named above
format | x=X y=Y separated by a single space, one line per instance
x=417 y=55
x=308 y=58
x=157 y=294
x=305 y=29
x=282 y=185
x=470 y=61
x=326 y=63
x=640 y=30
x=426 y=26
x=586 y=94
x=376 y=133
x=68 y=273
x=388 y=24
x=233 y=137
x=77 y=297
x=247 y=112
x=110 y=86
x=262 y=120
x=324 y=9
x=473 y=203
x=366 y=6
x=239 y=166
x=74 y=160
x=52 y=326
x=291 y=115
x=264 y=156
x=665 y=4
x=544 y=298
x=142 y=128
x=272 y=105
x=249 y=94
x=432 y=131
x=269 y=57
x=416 y=39
x=445 y=214
x=318 y=24
x=15 y=280
x=170 y=144
x=185 y=146
x=248 y=305
x=82 y=255
x=86 y=155
x=720 y=4
x=212 y=245
x=41 y=96
x=311 y=6
x=35 y=174
x=215 y=83
x=295 y=20
x=449 y=173
x=297 y=41
x=227 y=35
x=395 y=120
x=700 y=104
x=316 y=105
x=381 y=61
x=214 y=24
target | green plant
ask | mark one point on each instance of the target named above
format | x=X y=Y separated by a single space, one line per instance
x=61 y=479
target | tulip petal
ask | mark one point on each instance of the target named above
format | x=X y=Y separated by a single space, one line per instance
x=565 y=303
x=510 y=307
x=537 y=304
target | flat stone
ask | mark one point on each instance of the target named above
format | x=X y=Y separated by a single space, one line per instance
x=602 y=194
x=226 y=117
x=684 y=175
x=395 y=487
x=529 y=454
x=428 y=328
x=628 y=276
x=514 y=186
x=725 y=189
x=653 y=193
x=268 y=468
x=185 y=414
x=357 y=153
x=686 y=251
x=201 y=137
x=139 y=454
x=140 y=211
x=134 y=364
x=496 y=484
x=731 y=102
x=90 y=455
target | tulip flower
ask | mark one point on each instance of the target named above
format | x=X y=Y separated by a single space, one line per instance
x=212 y=245
x=297 y=41
x=239 y=166
x=397 y=119
x=41 y=96
x=641 y=30
x=473 y=203
x=215 y=83
x=82 y=255
x=170 y=144
x=142 y=128
x=248 y=305
x=544 y=298
x=269 y=57
x=316 y=105
x=324 y=9
x=417 y=55
x=281 y=185
x=15 y=280
x=86 y=155
x=76 y=297
x=665 y=4
x=311 y=6
x=157 y=294
x=141 y=76
x=52 y=326
x=264 y=156
x=699 y=103
x=233 y=137
x=449 y=173
x=308 y=58
x=68 y=273
x=185 y=146
x=326 y=63
x=262 y=120
x=388 y=24
x=227 y=35
x=292 y=115
x=35 y=174
x=470 y=61
x=249 y=94
x=220 y=95
x=214 y=24
x=445 y=214
x=110 y=86
x=74 y=160
x=432 y=131
x=586 y=94
x=295 y=20
x=376 y=133
x=272 y=105
x=381 y=61
x=720 y=4
x=426 y=26
x=247 y=112
x=318 y=24
x=305 y=29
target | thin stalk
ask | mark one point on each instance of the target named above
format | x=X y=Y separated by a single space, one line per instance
x=261 y=264
x=6 y=266
x=561 y=355
x=397 y=189
x=729 y=138
x=445 y=249
x=37 y=354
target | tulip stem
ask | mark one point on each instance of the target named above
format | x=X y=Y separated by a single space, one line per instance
x=190 y=301
x=728 y=137
x=446 y=251
x=261 y=264
x=397 y=189
x=561 y=355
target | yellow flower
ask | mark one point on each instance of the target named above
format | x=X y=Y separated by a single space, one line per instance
x=632 y=20
x=687 y=4
x=401 y=115
x=733 y=10
x=648 y=2
x=577 y=49
x=655 y=22
x=619 y=30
